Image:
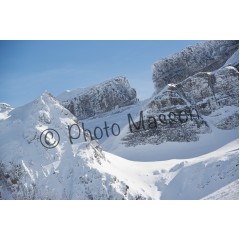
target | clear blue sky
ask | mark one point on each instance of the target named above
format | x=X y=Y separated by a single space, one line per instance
x=27 y=68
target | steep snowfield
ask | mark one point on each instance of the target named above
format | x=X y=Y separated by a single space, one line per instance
x=28 y=170
x=233 y=60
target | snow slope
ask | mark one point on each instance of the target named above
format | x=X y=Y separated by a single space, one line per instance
x=233 y=60
x=192 y=178
x=229 y=192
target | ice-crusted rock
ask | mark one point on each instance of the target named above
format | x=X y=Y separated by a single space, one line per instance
x=203 y=57
x=167 y=117
x=28 y=170
x=104 y=97
x=209 y=92
x=214 y=97
x=195 y=79
x=225 y=118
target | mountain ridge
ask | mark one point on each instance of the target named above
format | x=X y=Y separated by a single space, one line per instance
x=195 y=157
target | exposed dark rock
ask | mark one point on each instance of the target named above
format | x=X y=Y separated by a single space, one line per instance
x=98 y=99
x=167 y=118
x=203 y=57
x=211 y=91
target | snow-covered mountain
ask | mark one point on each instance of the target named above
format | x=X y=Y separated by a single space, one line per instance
x=28 y=170
x=83 y=171
x=183 y=143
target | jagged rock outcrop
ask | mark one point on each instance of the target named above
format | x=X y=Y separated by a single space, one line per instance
x=167 y=117
x=203 y=57
x=211 y=91
x=98 y=99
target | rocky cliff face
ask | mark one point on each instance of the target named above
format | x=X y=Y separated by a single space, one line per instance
x=203 y=57
x=210 y=92
x=187 y=107
x=168 y=117
x=98 y=99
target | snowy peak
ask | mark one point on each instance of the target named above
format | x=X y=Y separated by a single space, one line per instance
x=5 y=109
x=47 y=98
x=101 y=98
x=38 y=160
x=42 y=110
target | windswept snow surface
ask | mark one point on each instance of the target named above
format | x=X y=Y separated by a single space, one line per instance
x=229 y=192
x=192 y=178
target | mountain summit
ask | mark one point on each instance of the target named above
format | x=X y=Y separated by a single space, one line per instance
x=29 y=170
